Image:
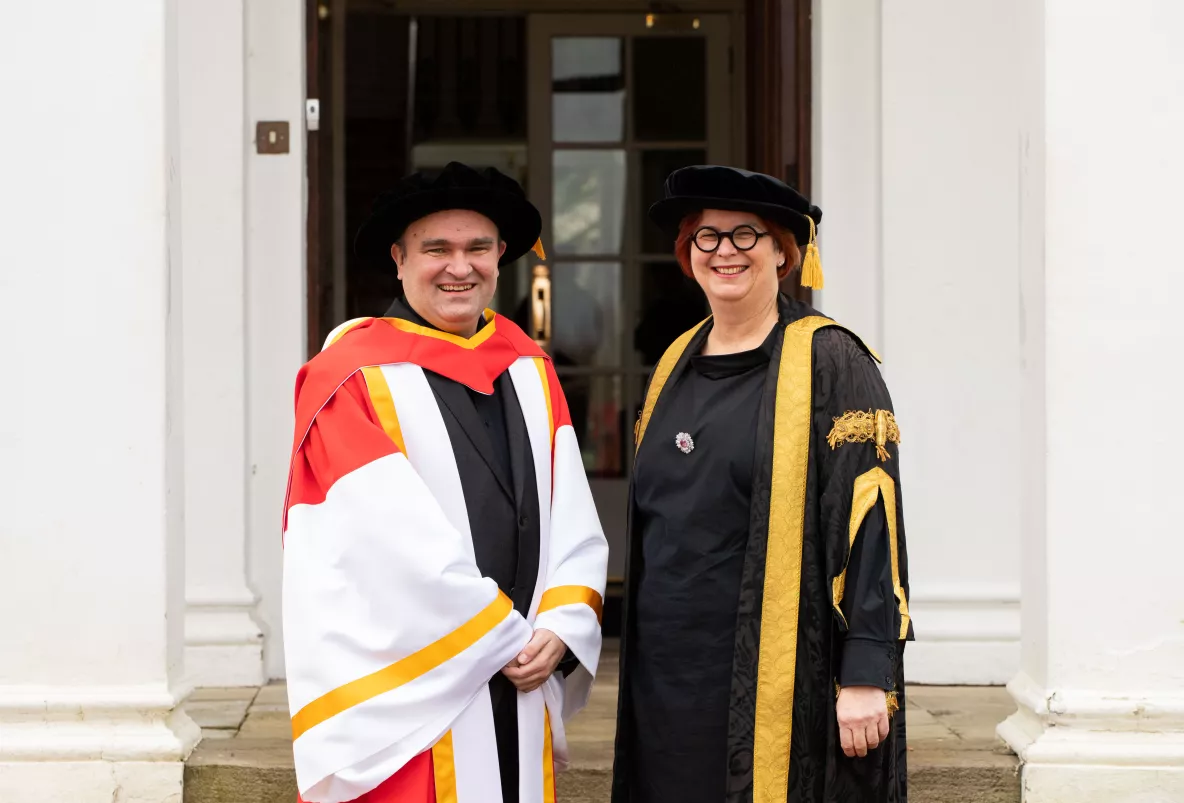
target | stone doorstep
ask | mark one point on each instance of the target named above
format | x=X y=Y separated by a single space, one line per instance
x=261 y=772
x=954 y=755
x=220 y=709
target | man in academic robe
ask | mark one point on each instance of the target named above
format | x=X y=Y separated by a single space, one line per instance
x=444 y=565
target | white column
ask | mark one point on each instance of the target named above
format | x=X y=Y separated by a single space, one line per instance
x=1101 y=694
x=917 y=175
x=846 y=137
x=276 y=205
x=224 y=646
x=92 y=596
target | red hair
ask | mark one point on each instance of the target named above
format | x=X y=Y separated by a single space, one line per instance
x=781 y=236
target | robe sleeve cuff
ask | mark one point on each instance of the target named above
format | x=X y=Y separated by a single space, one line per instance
x=568 y=664
x=869 y=663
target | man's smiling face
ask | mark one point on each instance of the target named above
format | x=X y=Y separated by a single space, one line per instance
x=448 y=263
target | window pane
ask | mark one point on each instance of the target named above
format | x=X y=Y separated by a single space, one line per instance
x=655 y=167
x=589 y=198
x=586 y=314
x=598 y=420
x=669 y=88
x=588 y=89
x=671 y=303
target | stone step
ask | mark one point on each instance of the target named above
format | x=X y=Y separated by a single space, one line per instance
x=260 y=771
x=954 y=755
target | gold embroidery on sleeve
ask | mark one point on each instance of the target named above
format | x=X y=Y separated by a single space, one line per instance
x=858 y=426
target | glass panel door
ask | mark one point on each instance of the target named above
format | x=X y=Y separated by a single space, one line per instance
x=617 y=103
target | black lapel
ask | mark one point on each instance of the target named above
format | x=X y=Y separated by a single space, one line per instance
x=526 y=494
x=518 y=438
x=456 y=398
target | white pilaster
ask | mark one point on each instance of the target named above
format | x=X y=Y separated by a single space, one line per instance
x=224 y=646
x=951 y=326
x=846 y=136
x=276 y=233
x=1101 y=716
x=916 y=170
x=92 y=598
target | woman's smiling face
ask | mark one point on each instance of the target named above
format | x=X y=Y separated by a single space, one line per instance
x=729 y=274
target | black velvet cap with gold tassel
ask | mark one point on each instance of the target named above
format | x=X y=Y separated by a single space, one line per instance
x=692 y=189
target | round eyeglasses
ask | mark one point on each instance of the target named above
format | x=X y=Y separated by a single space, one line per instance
x=743 y=237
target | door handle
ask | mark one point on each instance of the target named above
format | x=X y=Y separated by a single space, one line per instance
x=540 y=306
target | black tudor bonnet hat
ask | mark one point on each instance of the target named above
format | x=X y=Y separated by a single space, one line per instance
x=692 y=189
x=458 y=186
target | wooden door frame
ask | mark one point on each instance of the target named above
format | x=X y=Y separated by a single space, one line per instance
x=718 y=30
x=312 y=243
x=779 y=110
x=779 y=66
x=326 y=239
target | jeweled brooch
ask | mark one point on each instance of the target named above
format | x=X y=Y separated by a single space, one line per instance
x=684 y=442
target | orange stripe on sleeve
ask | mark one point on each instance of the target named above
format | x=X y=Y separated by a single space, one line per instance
x=572 y=595
x=404 y=671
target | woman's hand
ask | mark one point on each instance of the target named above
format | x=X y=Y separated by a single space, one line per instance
x=536 y=662
x=863 y=719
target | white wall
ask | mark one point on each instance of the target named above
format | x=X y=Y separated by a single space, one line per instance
x=917 y=174
x=87 y=331
x=91 y=538
x=275 y=291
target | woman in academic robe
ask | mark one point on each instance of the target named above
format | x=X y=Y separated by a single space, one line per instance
x=766 y=600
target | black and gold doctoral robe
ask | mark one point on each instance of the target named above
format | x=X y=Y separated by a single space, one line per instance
x=823 y=599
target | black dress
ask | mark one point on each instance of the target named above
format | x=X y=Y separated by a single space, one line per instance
x=693 y=517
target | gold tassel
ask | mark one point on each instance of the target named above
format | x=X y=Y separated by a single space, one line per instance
x=538 y=249
x=812 y=263
x=882 y=435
